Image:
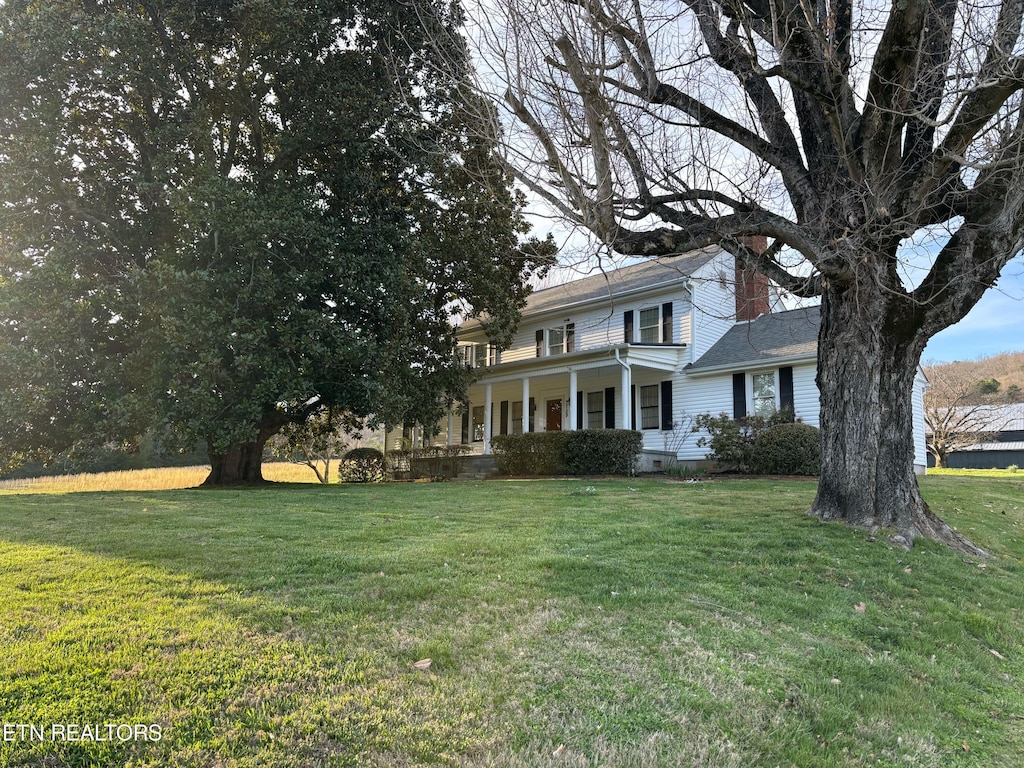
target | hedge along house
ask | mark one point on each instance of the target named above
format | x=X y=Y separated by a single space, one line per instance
x=645 y=347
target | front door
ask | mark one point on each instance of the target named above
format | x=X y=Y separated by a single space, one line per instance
x=554 y=422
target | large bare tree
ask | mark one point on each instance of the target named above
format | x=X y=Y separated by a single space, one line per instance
x=862 y=139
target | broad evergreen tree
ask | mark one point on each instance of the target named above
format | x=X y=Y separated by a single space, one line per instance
x=217 y=218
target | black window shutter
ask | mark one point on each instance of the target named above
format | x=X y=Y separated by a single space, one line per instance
x=570 y=337
x=632 y=406
x=666 y=322
x=465 y=426
x=739 y=395
x=627 y=325
x=533 y=407
x=666 y=405
x=540 y=343
x=503 y=427
x=579 y=411
x=609 y=408
x=786 y=389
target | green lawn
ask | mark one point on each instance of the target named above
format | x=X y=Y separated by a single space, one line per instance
x=617 y=623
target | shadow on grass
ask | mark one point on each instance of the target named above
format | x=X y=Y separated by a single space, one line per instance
x=260 y=633
x=279 y=627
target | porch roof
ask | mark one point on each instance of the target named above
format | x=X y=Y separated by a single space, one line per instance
x=661 y=357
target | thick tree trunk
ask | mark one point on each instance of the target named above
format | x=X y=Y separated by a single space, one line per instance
x=242 y=463
x=866 y=376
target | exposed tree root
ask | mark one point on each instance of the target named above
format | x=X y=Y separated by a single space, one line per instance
x=930 y=526
x=924 y=524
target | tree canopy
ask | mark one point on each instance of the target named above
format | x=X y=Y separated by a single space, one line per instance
x=217 y=218
x=849 y=134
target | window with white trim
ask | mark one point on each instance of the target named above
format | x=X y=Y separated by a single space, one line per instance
x=478 y=423
x=763 y=389
x=517 y=417
x=650 y=325
x=480 y=355
x=556 y=341
x=561 y=339
x=650 y=404
x=595 y=410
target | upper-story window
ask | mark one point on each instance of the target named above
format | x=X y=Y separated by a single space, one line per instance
x=654 y=325
x=480 y=355
x=650 y=325
x=557 y=341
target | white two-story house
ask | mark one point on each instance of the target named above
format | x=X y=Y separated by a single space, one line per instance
x=646 y=347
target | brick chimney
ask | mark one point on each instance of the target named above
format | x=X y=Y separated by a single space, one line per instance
x=751 y=286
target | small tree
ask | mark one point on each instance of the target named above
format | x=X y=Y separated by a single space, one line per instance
x=318 y=441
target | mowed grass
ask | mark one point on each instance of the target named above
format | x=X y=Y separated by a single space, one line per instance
x=572 y=622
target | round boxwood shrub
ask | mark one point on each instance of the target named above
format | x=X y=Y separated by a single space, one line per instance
x=362 y=465
x=787 y=449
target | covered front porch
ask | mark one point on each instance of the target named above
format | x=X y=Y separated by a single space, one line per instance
x=629 y=386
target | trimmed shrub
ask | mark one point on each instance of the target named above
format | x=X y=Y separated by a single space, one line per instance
x=787 y=449
x=729 y=441
x=583 y=452
x=535 y=453
x=732 y=440
x=602 y=451
x=362 y=465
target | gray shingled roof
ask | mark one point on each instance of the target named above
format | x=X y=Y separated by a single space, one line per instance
x=623 y=280
x=770 y=337
x=608 y=285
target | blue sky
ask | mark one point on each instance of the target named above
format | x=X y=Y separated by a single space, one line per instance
x=993 y=326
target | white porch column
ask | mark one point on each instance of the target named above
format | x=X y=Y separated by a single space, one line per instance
x=627 y=402
x=488 y=412
x=573 y=426
x=451 y=427
x=526 y=405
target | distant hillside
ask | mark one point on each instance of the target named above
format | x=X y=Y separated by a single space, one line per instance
x=997 y=379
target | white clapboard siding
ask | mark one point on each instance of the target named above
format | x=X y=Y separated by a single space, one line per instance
x=805 y=395
x=713 y=395
x=714 y=305
x=598 y=326
x=920 y=442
